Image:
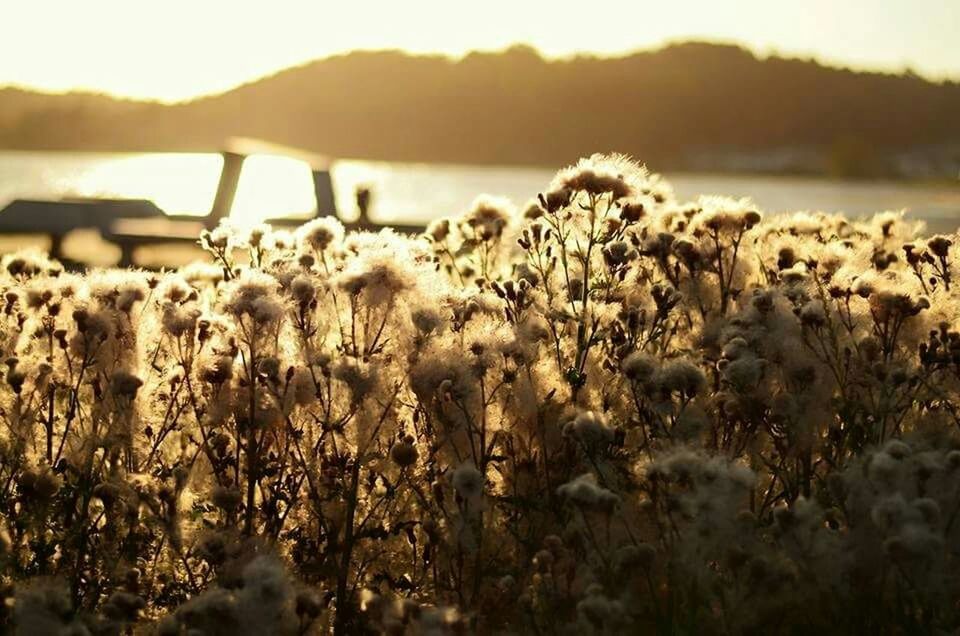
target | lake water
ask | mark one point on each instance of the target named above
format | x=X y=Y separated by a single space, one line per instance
x=186 y=183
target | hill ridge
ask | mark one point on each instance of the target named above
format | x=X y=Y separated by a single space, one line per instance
x=687 y=105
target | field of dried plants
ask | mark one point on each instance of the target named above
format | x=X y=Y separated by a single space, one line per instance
x=608 y=413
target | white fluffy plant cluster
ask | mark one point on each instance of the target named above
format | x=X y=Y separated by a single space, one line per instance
x=608 y=412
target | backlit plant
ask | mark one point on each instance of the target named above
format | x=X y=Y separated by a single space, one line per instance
x=610 y=412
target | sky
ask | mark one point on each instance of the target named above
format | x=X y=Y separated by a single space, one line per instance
x=172 y=50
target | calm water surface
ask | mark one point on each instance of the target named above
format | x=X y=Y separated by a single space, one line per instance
x=186 y=183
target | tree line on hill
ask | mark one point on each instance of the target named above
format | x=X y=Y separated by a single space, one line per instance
x=686 y=105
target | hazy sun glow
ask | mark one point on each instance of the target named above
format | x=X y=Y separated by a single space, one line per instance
x=183 y=48
x=186 y=184
x=273 y=187
x=179 y=183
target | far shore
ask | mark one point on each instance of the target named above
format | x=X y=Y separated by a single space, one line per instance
x=710 y=171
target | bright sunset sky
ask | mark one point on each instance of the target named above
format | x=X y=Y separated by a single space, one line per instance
x=177 y=49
